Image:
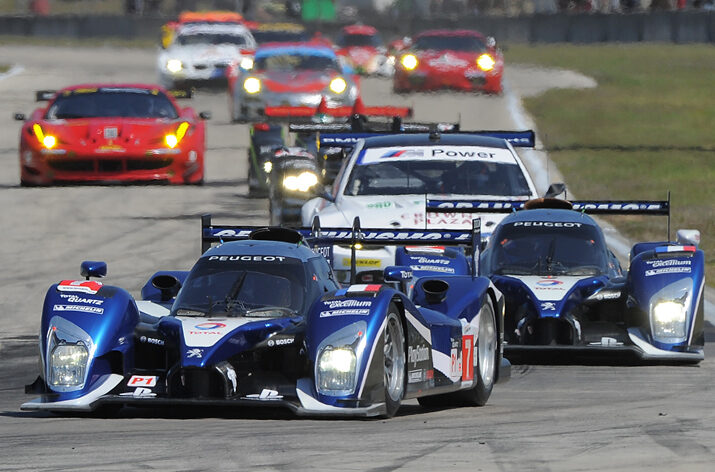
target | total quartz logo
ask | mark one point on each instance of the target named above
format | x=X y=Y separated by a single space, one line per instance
x=549 y=282
x=210 y=325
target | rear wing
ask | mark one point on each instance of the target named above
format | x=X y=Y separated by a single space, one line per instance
x=592 y=207
x=181 y=93
x=345 y=135
x=322 y=240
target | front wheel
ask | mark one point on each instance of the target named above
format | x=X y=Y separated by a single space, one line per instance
x=486 y=354
x=394 y=353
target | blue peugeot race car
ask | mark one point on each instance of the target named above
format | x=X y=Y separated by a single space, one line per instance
x=568 y=297
x=260 y=321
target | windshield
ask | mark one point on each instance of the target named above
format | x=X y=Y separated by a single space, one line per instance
x=290 y=62
x=126 y=103
x=211 y=38
x=452 y=43
x=262 y=37
x=359 y=40
x=230 y=286
x=438 y=177
x=525 y=248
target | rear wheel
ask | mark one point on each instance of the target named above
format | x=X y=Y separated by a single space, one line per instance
x=486 y=353
x=394 y=353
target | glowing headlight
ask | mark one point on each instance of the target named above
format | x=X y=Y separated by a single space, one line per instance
x=300 y=182
x=338 y=85
x=267 y=167
x=252 y=85
x=409 y=61
x=336 y=370
x=174 y=65
x=486 y=62
x=247 y=63
x=47 y=140
x=669 y=320
x=68 y=364
x=172 y=140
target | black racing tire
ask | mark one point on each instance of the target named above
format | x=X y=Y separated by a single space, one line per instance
x=485 y=370
x=394 y=361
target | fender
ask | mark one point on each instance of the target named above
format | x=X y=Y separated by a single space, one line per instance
x=100 y=317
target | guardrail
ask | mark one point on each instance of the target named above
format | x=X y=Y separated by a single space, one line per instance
x=696 y=26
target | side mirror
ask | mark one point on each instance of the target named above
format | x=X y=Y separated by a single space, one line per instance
x=491 y=42
x=168 y=285
x=320 y=191
x=689 y=237
x=19 y=116
x=93 y=269
x=205 y=115
x=555 y=189
x=397 y=273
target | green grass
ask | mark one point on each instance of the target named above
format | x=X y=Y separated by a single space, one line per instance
x=4 y=68
x=655 y=108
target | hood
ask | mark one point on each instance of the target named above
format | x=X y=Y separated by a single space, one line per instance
x=205 y=53
x=361 y=55
x=402 y=211
x=297 y=81
x=448 y=60
x=551 y=296
x=110 y=134
x=205 y=341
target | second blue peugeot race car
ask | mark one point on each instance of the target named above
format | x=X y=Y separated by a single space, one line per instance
x=567 y=295
x=261 y=321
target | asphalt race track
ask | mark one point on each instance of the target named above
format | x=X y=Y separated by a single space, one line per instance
x=567 y=418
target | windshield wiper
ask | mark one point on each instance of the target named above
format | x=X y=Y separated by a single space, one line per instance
x=230 y=301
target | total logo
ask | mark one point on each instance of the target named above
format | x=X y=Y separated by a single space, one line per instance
x=210 y=325
x=549 y=282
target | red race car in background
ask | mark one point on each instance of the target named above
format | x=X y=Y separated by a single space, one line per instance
x=364 y=49
x=110 y=133
x=449 y=59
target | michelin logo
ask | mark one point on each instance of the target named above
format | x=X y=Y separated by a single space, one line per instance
x=345 y=312
x=82 y=308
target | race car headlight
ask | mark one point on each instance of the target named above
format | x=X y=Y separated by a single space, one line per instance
x=247 y=63
x=267 y=167
x=669 y=311
x=68 y=364
x=46 y=140
x=174 y=65
x=409 y=61
x=173 y=140
x=669 y=320
x=338 y=85
x=252 y=85
x=336 y=370
x=301 y=182
x=486 y=62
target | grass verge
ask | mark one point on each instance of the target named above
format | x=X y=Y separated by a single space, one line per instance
x=646 y=129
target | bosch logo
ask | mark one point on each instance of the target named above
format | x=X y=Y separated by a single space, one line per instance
x=210 y=325
x=549 y=282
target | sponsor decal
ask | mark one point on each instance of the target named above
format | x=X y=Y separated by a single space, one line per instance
x=155 y=341
x=416 y=376
x=548 y=224
x=417 y=354
x=398 y=235
x=84 y=286
x=549 y=282
x=405 y=153
x=81 y=308
x=224 y=233
x=634 y=206
x=281 y=341
x=379 y=205
x=363 y=262
x=265 y=394
x=448 y=61
x=110 y=133
x=349 y=303
x=195 y=352
x=210 y=325
x=345 y=312
x=456 y=363
x=247 y=258
x=427 y=260
x=426 y=249
x=77 y=299
x=324 y=250
x=445 y=270
x=142 y=381
x=668 y=263
x=468 y=356
x=110 y=148
x=429 y=374
x=450 y=220
x=456 y=152
x=668 y=270
x=139 y=392
x=548 y=306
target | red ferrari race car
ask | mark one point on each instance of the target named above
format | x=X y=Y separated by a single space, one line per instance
x=363 y=48
x=111 y=133
x=450 y=59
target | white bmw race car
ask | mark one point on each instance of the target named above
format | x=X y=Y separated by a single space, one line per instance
x=390 y=181
x=201 y=53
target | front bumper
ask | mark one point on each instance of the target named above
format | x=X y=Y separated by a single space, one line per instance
x=253 y=106
x=419 y=80
x=177 y=166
